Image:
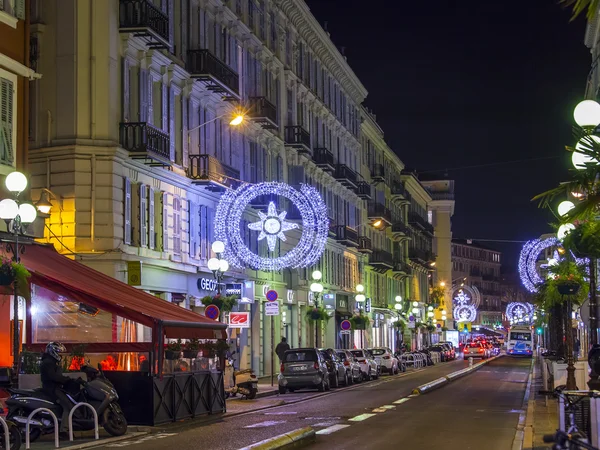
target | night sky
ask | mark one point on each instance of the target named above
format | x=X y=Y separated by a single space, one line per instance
x=467 y=83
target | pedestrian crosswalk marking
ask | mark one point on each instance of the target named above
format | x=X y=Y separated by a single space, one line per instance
x=379 y=410
x=361 y=417
x=141 y=440
x=266 y=423
x=332 y=429
x=402 y=400
x=388 y=407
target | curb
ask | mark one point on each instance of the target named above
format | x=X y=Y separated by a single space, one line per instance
x=435 y=384
x=292 y=439
x=524 y=428
x=101 y=442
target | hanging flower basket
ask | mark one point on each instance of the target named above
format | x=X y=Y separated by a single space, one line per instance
x=173 y=350
x=317 y=314
x=191 y=349
x=223 y=302
x=399 y=325
x=568 y=288
x=359 y=322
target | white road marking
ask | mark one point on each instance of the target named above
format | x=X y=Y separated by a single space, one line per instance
x=266 y=423
x=323 y=424
x=151 y=437
x=321 y=418
x=280 y=413
x=361 y=417
x=332 y=429
x=379 y=410
x=413 y=395
x=388 y=407
x=402 y=400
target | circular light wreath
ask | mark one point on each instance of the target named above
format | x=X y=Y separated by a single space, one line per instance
x=464 y=295
x=465 y=313
x=528 y=268
x=315 y=226
x=520 y=312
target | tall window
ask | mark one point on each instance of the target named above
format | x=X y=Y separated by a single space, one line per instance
x=127 y=212
x=143 y=215
x=176 y=225
x=7 y=120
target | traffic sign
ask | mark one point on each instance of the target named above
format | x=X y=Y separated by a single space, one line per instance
x=212 y=312
x=345 y=325
x=271 y=295
x=272 y=309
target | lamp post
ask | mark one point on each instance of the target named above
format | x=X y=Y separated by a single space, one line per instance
x=16 y=214
x=316 y=288
x=218 y=265
x=360 y=298
x=236 y=119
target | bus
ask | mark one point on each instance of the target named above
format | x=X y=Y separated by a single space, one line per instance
x=520 y=341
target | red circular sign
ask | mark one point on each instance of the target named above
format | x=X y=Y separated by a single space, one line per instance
x=212 y=312
x=271 y=295
x=345 y=325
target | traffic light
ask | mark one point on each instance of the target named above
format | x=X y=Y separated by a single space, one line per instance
x=539 y=331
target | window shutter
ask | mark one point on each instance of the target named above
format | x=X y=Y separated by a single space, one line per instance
x=20 y=9
x=143 y=215
x=143 y=95
x=126 y=90
x=151 y=219
x=172 y=121
x=165 y=108
x=193 y=229
x=185 y=107
x=127 y=213
x=150 y=97
x=165 y=222
x=6 y=120
x=176 y=225
x=203 y=232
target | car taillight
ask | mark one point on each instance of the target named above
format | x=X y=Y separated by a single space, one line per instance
x=346 y=363
x=480 y=350
x=282 y=368
x=386 y=357
x=362 y=361
x=316 y=366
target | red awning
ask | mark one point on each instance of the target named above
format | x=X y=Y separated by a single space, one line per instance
x=72 y=279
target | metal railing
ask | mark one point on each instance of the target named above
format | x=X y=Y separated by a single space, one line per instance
x=202 y=63
x=138 y=14
x=323 y=157
x=442 y=195
x=419 y=221
x=378 y=172
x=297 y=136
x=345 y=173
x=379 y=211
x=344 y=233
x=33 y=413
x=418 y=253
x=94 y=413
x=382 y=257
x=141 y=137
x=365 y=243
x=262 y=108
x=207 y=167
x=398 y=188
x=400 y=227
x=6 y=433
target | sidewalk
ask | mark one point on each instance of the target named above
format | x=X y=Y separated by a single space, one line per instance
x=542 y=414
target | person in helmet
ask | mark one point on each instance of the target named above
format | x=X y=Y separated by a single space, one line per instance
x=53 y=380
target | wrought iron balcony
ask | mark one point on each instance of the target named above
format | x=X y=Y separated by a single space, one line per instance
x=217 y=76
x=378 y=173
x=381 y=260
x=420 y=222
x=346 y=176
x=420 y=256
x=145 y=142
x=400 y=231
x=144 y=20
x=332 y=228
x=442 y=195
x=377 y=211
x=364 y=190
x=324 y=159
x=297 y=137
x=263 y=112
x=346 y=235
x=365 y=245
x=398 y=190
x=401 y=268
x=206 y=170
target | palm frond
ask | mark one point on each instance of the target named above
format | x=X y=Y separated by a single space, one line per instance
x=579 y=6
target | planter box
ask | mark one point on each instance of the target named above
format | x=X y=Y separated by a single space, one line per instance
x=33 y=381
x=559 y=373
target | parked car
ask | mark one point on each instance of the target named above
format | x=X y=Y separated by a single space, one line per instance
x=450 y=346
x=442 y=350
x=476 y=350
x=386 y=359
x=368 y=365
x=303 y=368
x=337 y=370
x=351 y=364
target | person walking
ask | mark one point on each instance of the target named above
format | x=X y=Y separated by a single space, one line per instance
x=281 y=348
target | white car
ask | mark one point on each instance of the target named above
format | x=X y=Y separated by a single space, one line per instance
x=386 y=359
x=368 y=366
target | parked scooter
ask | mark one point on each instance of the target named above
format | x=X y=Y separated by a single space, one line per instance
x=98 y=391
x=242 y=382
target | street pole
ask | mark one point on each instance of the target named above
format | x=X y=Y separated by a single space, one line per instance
x=16 y=258
x=272 y=352
x=571 y=382
x=593 y=304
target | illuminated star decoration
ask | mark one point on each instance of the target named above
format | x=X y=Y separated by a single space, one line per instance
x=272 y=226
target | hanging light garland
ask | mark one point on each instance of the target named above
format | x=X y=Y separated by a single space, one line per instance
x=465 y=313
x=272 y=226
x=520 y=313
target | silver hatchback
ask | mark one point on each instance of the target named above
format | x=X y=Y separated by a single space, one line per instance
x=303 y=368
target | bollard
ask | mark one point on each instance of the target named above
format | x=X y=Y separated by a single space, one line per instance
x=470 y=361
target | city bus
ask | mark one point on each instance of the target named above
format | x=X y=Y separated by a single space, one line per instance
x=520 y=341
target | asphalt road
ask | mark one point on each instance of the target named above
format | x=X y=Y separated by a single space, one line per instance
x=484 y=398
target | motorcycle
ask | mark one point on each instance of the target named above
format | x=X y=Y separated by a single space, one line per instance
x=98 y=391
x=239 y=381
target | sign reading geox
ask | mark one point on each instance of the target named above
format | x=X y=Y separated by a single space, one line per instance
x=234 y=289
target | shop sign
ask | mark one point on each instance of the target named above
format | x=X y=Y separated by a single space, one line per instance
x=290 y=296
x=311 y=298
x=272 y=309
x=265 y=289
x=342 y=302
x=248 y=294
x=239 y=319
x=134 y=273
x=368 y=305
x=207 y=284
x=234 y=289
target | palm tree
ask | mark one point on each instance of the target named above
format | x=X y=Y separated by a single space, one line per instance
x=580 y=6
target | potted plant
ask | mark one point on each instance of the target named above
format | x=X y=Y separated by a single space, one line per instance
x=436 y=296
x=431 y=328
x=399 y=325
x=223 y=302
x=191 y=348
x=173 y=350
x=7 y=273
x=359 y=321
x=317 y=313
x=13 y=272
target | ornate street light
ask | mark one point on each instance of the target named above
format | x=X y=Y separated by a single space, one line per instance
x=317 y=289
x=16 y=214
x=218 y=265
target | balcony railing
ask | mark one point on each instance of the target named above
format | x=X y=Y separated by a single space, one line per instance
x=297 y=137
x=442 y=195
x=143 y=141
x=324 y=159
x=206 y=169
x=400 y=227
x=382 y=259
x=346 y=235
x=416 y=220
x=398 y=189
x=365 y=245
x=418 y=254
x=378 y=172
x=262 y=111
x=220 y=78
x=377 y=211
x=402 y=267
x=346 y=176
x=363 y=190
x=143 y=19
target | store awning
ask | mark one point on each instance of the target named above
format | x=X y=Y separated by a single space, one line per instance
x=78 y=282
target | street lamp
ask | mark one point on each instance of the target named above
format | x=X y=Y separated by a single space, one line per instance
x=236 y=120
x=316 y=288
x=44 y=205
x=16 y=214
x=360 y=297
x=218 y=265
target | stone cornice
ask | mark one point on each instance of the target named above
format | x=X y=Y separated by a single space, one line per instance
x=416 y=189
